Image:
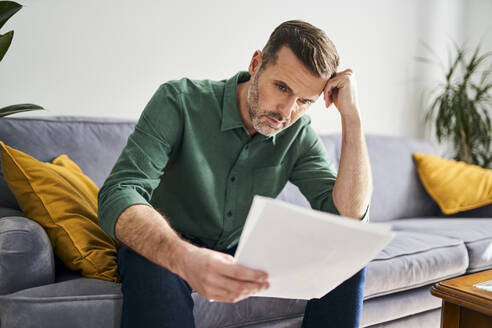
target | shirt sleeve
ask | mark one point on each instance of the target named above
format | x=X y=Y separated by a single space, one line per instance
x=139 y=167
x=315 y=175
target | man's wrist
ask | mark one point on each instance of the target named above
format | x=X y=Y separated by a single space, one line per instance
x=179 y=251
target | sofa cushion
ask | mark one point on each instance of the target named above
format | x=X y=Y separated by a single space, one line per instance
x=93 y=143
x=476 y=233
x=96 y=303
x=414 y=259
x=75 y=303
x=281 y=323
x=72 y=302
x=428 y=319
x=251 y=311
x=454 y=185
x=397 y=305
x=61 y=198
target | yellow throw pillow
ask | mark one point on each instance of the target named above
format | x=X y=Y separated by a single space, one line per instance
x=455 y=186
x=64 y=201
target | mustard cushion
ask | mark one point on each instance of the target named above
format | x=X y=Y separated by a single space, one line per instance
x=455 y=186
x=63 y=200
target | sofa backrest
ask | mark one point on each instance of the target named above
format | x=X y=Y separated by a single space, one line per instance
x=398 y=192
x=93 y=143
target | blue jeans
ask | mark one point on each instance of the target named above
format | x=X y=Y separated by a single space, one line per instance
x=156 y=297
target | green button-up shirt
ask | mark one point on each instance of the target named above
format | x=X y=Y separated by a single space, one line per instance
x=191 y=158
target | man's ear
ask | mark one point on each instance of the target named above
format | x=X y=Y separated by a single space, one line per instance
x=255 y=63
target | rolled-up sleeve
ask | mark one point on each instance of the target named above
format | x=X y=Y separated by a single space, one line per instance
x=315 y=175
x=141 y=164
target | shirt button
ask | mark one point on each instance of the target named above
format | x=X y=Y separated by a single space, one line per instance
x=229 y=213
x=246 y=147
x=233 y=179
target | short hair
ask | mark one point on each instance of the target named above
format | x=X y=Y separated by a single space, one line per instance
x=310 y=44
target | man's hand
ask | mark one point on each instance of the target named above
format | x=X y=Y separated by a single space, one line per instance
x=341 y=90
x=213 y=275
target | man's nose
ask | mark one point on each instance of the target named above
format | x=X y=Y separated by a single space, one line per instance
x=287 y=106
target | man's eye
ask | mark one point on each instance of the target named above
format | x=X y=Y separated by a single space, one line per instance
x=304 y=102
x=281 y=87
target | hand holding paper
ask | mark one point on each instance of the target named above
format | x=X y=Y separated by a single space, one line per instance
x=306 y=253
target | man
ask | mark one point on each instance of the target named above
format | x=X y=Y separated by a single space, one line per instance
x=179 y=193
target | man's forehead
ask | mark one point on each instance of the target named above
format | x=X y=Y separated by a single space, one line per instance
x=288 y=69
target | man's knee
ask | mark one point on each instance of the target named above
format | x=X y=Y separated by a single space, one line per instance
x=152 y=294
x=141 y=275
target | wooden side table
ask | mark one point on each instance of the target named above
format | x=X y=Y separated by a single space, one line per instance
x=465 y=306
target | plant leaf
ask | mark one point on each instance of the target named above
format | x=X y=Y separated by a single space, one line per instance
x=7 y=10
x=5 y=41
x=461 y=109
x=452 y=69
x=474 y=63
x=18 y=109
x=433 y=53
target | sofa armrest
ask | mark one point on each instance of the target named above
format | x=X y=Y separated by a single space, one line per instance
x=26 y=255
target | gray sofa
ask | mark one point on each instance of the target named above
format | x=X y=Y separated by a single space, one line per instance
x=37 y=290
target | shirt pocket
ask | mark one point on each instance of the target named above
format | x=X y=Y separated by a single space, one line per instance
x=269 y=181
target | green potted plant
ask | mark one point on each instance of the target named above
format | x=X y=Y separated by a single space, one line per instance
x=7 y=10
x=461 y=107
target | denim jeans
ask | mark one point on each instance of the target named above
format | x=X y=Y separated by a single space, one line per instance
x=155 y=297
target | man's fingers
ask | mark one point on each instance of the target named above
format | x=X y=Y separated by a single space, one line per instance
x=225 y=289
x=222 y=295
x=328 y=100
x=330 y=97
x=337 y=80
x=217 y=294
x=333 y=85
x=238 y=286
x=239 y=272
x=327 y=103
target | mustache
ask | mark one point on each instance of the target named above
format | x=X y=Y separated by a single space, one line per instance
x=276 y=116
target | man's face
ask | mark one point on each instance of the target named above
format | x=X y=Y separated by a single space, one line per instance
x=281 y=93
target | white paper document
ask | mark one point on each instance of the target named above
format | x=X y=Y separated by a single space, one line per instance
x=306 y=253
x=487 y=285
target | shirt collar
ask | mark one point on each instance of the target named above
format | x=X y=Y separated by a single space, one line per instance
x=230 y=111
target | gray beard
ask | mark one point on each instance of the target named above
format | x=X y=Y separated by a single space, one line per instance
x=254 y=112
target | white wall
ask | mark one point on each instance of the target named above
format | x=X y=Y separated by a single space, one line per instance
x=106 y=58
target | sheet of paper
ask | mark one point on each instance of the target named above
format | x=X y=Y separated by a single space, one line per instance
x=487 y=285
x=306 y=253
